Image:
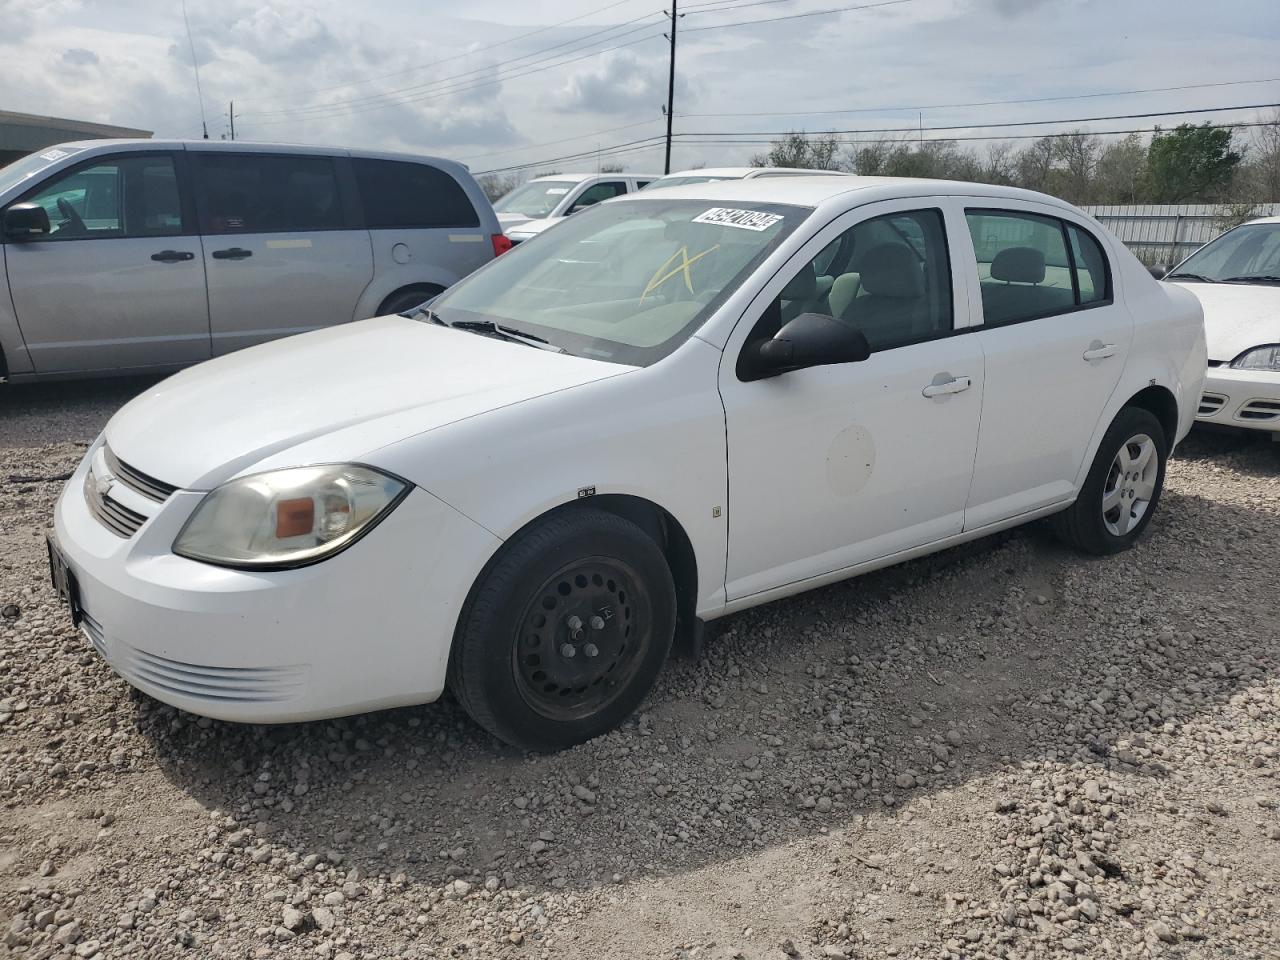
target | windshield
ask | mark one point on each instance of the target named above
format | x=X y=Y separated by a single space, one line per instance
x=1248 y=252
x=27 y=167
x=535 y=199
x=683 y=181
x=627 y=281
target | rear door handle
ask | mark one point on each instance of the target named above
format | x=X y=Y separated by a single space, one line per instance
x=1099 y=351
x=173 y=256
x=231 y=253
x=940 y=387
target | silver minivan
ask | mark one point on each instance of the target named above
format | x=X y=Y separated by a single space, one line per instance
x=127 y=256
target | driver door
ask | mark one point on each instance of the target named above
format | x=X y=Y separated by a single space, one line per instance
x=119 y=281
x=835 y=466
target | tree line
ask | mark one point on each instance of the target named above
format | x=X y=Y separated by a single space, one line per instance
x=1185 y=164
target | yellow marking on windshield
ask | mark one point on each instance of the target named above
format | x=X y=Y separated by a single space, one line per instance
x=686 y=262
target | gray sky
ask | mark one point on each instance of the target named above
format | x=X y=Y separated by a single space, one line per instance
x=420 y=76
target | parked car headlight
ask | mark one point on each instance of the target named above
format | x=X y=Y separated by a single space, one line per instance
x=1259 y=358
x=288 y=518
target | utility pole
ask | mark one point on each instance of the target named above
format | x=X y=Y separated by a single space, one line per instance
x=232 y=111
x=671 y=85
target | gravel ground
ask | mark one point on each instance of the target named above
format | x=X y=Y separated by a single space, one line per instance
x=1005 y=750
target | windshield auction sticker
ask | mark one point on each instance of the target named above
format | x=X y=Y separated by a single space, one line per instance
x=742 y=219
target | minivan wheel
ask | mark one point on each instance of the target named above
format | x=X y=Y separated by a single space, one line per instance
x=565 y=633
x=407 y=298
x=1122 y=489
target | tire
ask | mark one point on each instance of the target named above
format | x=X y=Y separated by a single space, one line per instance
x=566 y=631
x=402 y=300
x=1135 y=492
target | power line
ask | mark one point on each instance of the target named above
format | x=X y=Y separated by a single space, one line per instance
x=797 y=16
x=552 y=143
x=396 y=95
x=978 y=103
x=460 y=56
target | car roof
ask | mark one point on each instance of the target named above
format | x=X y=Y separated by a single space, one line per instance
x=1264 y=220
x=733 y=173
x=254 y=146
x=811 y=191
x=579 y=177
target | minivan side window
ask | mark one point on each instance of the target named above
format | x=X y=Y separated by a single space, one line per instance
x=130 y=196
x=267 y=193
x=1032 y=266
x=401 y=195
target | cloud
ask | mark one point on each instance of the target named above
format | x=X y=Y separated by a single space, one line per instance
x=618 y=83
x=79 y=57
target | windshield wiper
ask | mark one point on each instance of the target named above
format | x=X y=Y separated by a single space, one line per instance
x=1188 y=276
x=1253 y=278
x=507 y=333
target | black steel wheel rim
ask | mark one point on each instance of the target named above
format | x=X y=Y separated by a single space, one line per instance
x=582 y=638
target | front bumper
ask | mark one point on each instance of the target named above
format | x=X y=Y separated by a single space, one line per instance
x=1241 y=398
x=366 y=629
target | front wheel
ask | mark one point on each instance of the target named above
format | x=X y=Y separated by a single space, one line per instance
x=1122 y=489
x=565 y=634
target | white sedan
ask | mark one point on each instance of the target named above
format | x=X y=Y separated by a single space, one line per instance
x=675 y=406
x=1237 y=279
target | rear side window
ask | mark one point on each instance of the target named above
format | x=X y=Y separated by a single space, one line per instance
x=267 y=193
x=598 y=192
x=400 y=195
x=1033 y=266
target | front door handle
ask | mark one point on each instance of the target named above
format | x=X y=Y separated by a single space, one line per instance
x=173 y=256
x=941 y=386
x=1099 y=351
x=231 y=253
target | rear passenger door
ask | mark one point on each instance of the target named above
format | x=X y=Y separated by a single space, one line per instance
x=1055 y=340
x=283 y=252
x=597 y=193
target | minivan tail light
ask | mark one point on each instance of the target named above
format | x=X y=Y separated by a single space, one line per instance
x=501 y=244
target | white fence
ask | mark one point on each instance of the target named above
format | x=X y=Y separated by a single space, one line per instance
x=1166 y=233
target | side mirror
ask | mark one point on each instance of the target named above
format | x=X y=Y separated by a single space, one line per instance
x=810 y=340
x=26 y=221
x=1158 y=271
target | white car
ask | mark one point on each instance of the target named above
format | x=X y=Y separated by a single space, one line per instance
x=543 y=202
x=1237 y=279
x=652 y=417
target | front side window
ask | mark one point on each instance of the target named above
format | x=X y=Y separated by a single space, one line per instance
x=1026 y=269
x=598 y=192
x=536 y=199
x=625 y=282
x=135 y=196
x=398 y=194
x=1249 y=253
x=267 y=193
x=889 y=277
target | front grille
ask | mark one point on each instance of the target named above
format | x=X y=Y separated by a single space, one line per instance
x=1210 y=403
x=112 y=514
x=235 y=684
x=137 y=481
x=1259 y=410
x=93 y=630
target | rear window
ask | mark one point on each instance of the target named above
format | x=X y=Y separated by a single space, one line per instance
x=400 y=195
x=267 y=193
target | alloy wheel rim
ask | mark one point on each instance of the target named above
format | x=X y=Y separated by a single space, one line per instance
x=582 y=638
x=1130 y=485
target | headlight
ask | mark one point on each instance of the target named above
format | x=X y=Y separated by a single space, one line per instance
x=1259 y=358
x=288 y=518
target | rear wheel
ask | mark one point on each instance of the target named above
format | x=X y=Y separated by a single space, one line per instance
x=1123 y=487
x=567 y=631
x=404 y=299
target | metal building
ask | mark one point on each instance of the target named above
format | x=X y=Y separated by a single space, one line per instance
x=23 y=133
x=1166 y=233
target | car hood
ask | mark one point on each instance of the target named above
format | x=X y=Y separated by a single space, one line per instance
x=1238 y=316
x=532 y=228
x=367 y=384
